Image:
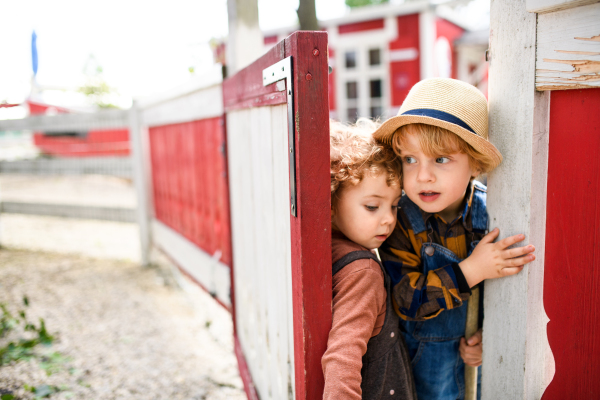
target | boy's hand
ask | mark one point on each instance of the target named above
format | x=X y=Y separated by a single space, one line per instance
x=493 y=260
x=471 y=350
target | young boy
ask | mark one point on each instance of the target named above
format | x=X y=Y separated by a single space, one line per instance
x=439 y=249
x=366 y=355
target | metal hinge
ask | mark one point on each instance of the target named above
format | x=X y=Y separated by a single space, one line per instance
x=275 y=73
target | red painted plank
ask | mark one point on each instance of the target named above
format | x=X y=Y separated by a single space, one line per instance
x=311 y=230
x=572 y=266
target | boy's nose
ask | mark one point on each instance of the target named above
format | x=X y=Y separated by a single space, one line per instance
x=424 y=174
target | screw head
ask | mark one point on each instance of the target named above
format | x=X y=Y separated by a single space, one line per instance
x=308 y=77
x=315 y=52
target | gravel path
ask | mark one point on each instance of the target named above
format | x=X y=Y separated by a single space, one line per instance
x=128 y=332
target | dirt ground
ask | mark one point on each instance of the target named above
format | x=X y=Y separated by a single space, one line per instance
x=126 y=332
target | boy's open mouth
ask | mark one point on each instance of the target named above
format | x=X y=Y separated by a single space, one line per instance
x=428 y=196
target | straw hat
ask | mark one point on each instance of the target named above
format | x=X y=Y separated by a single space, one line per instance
x=450 y=104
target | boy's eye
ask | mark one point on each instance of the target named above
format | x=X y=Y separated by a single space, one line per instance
x=409 y=160
x=442 y=160
x=371 y=208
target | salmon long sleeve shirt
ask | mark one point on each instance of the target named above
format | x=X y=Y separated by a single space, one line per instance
x=358 y=308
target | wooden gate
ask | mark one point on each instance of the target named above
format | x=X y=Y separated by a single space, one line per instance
x=278 y=157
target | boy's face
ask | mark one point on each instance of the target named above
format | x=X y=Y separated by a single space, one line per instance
x=437 y=184
x=366 y=213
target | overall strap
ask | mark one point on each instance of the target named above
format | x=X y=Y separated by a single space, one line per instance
x=350 y=257
x=413 y=213
x=479 y=217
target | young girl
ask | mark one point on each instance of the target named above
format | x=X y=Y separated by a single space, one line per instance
x=366 y=355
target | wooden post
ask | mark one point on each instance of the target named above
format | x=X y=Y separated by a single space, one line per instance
x=140 y=180
x=516 y=354
x=245 y=40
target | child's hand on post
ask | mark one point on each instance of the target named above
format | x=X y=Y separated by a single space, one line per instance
x=491 y=260
x=471 y=350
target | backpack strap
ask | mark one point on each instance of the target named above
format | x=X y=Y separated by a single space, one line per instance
x=351 y=257
x=413 y=213
x=479 y=217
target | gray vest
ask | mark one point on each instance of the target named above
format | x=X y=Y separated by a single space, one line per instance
x=386 y=372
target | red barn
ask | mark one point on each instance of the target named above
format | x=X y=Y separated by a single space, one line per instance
x=378 y=53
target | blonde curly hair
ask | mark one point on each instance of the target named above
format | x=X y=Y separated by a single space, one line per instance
x=354 y=153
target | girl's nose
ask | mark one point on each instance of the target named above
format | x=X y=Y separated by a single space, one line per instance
x=388 y=218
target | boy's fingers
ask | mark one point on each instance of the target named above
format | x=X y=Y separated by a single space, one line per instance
x=508 y=271
x=475 y=339
x=520 y=261
x=490 y=237
x=519 y=251
x=509 y=241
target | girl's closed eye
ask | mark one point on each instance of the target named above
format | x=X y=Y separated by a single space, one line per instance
x=371 y=208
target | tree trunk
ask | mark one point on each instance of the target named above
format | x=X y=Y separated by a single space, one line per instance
x=307 y=15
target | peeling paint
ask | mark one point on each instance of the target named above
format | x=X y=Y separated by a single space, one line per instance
x=578 y=65
x=583 y=53
x=590 y=39
x=568 y=47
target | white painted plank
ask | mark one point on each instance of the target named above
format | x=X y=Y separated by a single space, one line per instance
x=281 y=179
x=201 y=104
x=544 y=6
x=259 y=181
x=206 y=269
x=568 y=49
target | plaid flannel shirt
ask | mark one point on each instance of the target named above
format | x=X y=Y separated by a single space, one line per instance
x=417 y=296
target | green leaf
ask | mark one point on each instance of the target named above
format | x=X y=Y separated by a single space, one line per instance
x=7 y=396
x=26 y=301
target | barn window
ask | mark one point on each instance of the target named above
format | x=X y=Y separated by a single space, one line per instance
x=374 y=57
x=352 y=114
x=376 y=112
x=351 y=90
x=350 y=59
x=375 y=85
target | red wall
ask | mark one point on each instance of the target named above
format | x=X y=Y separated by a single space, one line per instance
x=190 y=182
x=113 y=142
x=404 y=74
x=572 y=266
x=451 y=32
x=361 y=26
x=331 y=80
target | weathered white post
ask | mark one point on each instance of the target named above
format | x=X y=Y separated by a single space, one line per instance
x=141 y=181
x=517 y=362
x=245 y=41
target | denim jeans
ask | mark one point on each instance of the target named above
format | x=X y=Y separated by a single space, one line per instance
x=433 y=344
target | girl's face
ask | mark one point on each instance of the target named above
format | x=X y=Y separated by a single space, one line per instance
x=437 y=184
x=366 y=213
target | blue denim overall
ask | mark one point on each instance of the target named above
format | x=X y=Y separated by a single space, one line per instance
x=433 y=344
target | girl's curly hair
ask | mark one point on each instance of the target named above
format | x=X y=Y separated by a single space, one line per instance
x=354 y=153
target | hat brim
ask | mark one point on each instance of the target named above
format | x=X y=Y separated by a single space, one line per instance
x=386 y=131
